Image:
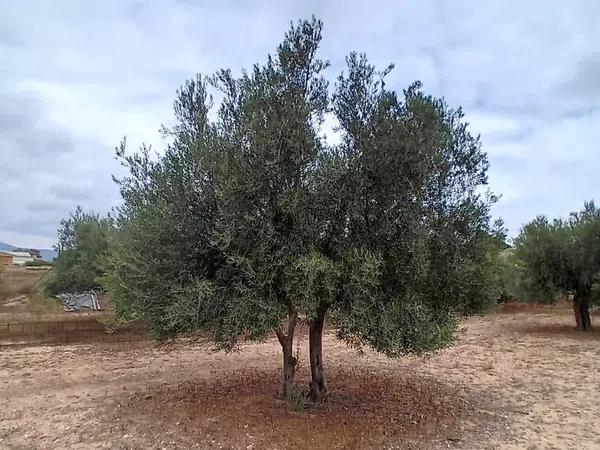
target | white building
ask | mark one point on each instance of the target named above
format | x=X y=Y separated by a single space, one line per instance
x=19 y=258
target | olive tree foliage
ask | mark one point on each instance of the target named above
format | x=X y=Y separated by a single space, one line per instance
x=504 y=265
x=251 y=222
x=403 y=231
x=509 y=275
x=211 y=232
x=83 y=242
x=559 y=257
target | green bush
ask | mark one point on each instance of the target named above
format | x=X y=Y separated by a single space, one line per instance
x=83 y=240
x=38 y=263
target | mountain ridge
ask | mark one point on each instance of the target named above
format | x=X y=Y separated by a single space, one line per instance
x=47 y=254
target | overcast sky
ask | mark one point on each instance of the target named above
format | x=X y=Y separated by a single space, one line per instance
x=77 y=76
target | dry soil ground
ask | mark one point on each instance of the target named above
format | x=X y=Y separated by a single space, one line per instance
x=522 y=380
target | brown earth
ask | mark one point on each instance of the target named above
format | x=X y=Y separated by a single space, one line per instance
x=514 y=381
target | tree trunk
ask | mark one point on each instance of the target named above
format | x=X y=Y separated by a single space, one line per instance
x=582 y=315
x=289 y=361
x=585 y=317
x=289 y=370
x=318 y=384
x=577 y=311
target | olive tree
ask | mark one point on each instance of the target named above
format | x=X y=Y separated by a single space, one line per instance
x=83 y=241
x=251 y=222
x=560 y=257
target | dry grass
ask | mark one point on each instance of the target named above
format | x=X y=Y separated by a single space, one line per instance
x=22 y=291
x=20 y=281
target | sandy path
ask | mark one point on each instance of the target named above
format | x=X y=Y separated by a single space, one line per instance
x=521 y=381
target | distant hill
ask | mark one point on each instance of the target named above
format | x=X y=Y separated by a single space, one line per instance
x=5 y=246
x=46 y=254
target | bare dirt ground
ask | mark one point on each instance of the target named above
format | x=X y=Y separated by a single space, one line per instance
x=522 y=380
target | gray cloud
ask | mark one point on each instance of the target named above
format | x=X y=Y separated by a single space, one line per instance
x=586 y=81
x=26 y=131
x=46 y=171
x=77 y=76
x=72 y=192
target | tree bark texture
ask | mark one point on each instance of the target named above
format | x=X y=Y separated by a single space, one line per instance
x=582 y=315
x=289 y=360
x=318 y=384
x=289 y=371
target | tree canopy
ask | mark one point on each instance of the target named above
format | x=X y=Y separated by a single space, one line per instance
x=559 y=257
x=250 y=221
x=83 y=240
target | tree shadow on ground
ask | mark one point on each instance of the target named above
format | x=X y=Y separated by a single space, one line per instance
x=549 y=329
x=366 y=410
x=513 y=307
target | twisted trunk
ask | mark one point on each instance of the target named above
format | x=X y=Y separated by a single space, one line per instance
x=289 y=361
x=318 y=384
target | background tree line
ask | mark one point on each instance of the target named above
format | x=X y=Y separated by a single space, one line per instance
x=554 y=259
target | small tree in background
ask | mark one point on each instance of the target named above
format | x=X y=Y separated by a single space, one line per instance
x=509 y=275
x=83 y=240
x=561 y=257
x=252 y=222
